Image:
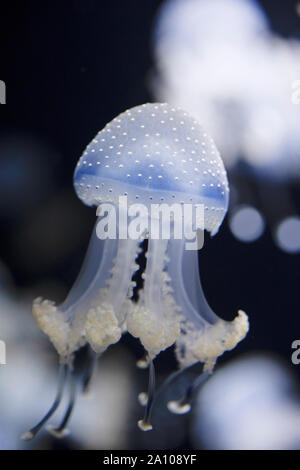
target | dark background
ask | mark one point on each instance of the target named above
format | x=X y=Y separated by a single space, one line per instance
x=69 y=68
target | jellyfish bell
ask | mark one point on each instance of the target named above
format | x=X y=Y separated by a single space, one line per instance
x=155 y=155
x=150 y=153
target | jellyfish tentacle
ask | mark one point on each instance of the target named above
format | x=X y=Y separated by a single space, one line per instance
x=99 y=253
x=97 y=305
x=143 y=362
x=61 y=430
x=65 y=324
x=106 y=319
x=153 y=319
x=145 y=423
x=204 y=336
x=143 y=398
x=89 y=373
x=183 y=269
x=183 y=405
x=121 y=286
x=63 y=373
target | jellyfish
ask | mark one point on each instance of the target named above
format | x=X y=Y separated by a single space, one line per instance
x=152 y=155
